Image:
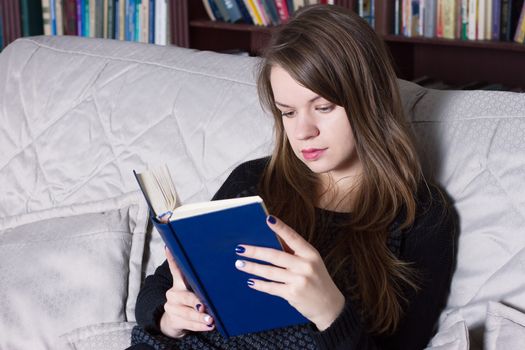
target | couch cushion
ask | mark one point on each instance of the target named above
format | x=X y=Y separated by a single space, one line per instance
x=79 y=114
x=473 y=142
x=69 y=267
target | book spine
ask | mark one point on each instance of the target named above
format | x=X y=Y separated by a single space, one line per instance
x=246 y=17
x=151 y=32
x=488 y=19
x=111 y=19
x=59 y=11
x=122 y=20
x=464 y=19
x=222 y=9
x=505 y=20
x=496 y=19
x=255 y=14
x=52 y=11
x=136 y=21
x=181 y=258
x=519 y=37
x=481 y=20
x=282 y=8
x=234 y=13
x=70 y=17
x=472 y=19
x=25 y=18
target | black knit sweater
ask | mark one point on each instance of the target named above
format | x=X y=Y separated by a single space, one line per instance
x=428 y=244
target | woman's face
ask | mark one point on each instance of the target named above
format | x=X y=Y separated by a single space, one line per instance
x=319 y=131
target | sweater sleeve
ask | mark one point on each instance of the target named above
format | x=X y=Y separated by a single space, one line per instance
x=347 y=332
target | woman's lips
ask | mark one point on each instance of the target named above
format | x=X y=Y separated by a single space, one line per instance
x=312 y=153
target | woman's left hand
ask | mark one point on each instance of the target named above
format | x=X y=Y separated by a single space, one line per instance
x=299 y=276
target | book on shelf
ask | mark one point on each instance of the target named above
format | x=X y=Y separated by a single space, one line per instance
x=519 y=37
x=202 y=238
x=458 y=19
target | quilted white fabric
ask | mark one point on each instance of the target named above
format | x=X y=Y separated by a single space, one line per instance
x=78 y=115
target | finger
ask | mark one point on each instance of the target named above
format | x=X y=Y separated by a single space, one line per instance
x=184 y=324
x=270 y=255
x=297 y=244
x=273 y=288
x=178 y=278
x=268 y=272
x=187 y=314
x=183 y=297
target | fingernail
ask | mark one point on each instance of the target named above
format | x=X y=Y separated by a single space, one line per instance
x=210 y=325
x=240 y=264
x=250 y=283
x=240 y=249
x=272 y=220
x=207 y=319
x=198 y=307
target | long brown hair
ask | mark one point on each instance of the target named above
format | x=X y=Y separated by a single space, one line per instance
x=336 y=54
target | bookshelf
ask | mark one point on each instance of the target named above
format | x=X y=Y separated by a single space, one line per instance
x=456 y=62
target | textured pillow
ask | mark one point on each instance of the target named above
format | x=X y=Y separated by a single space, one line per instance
x=504 y=328
x=65 y=271
x=106 y=336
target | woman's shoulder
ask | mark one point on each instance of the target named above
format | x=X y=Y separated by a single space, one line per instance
x=243 y=180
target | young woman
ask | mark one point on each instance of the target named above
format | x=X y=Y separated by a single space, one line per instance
x=369 y=242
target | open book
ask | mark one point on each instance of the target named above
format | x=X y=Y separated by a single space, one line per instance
x=202 y=238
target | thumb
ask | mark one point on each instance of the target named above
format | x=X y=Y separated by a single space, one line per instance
x=178 y=277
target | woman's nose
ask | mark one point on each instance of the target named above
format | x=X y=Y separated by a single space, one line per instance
x=306 y=127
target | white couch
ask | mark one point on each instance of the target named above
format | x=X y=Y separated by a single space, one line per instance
x=78 y=115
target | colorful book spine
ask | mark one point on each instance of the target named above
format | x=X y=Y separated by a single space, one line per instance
x=234 y=12
x=31 y=14
x=70 y=17
x=464 y=19
x=256 y=16
x=519 y=37
x=496 y=19
x=505 y=20
x=52 y=12
x=482 y=6
x=59 y=12
x=472 y=19
x=151 y=31
x=488 y=19
x=282 y=9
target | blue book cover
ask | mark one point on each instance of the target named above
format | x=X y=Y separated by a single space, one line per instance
x=244 y=11
x=204 y=248
x=151 y=38
x=52 y=9
x=234 y=13
x=202 y=238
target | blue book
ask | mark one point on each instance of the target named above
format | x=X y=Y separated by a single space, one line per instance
x=202 y=238
x=151 y=32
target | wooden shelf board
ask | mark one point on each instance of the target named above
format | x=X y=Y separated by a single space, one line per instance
x=202 y=23
x=485 y=44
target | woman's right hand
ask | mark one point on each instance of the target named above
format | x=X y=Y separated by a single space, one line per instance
x=183 y=311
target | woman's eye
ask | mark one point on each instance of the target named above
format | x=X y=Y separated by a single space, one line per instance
x=287 y=114
x=325 y=109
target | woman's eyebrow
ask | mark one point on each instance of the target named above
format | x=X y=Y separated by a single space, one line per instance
x=310 y=101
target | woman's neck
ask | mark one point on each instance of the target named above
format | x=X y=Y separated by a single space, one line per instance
x=337 y=194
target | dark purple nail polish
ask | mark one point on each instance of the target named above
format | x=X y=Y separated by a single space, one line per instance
x=272 y=220
x=210 y=325
x=198 y=307
x=240 y=249
x=250 y=282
